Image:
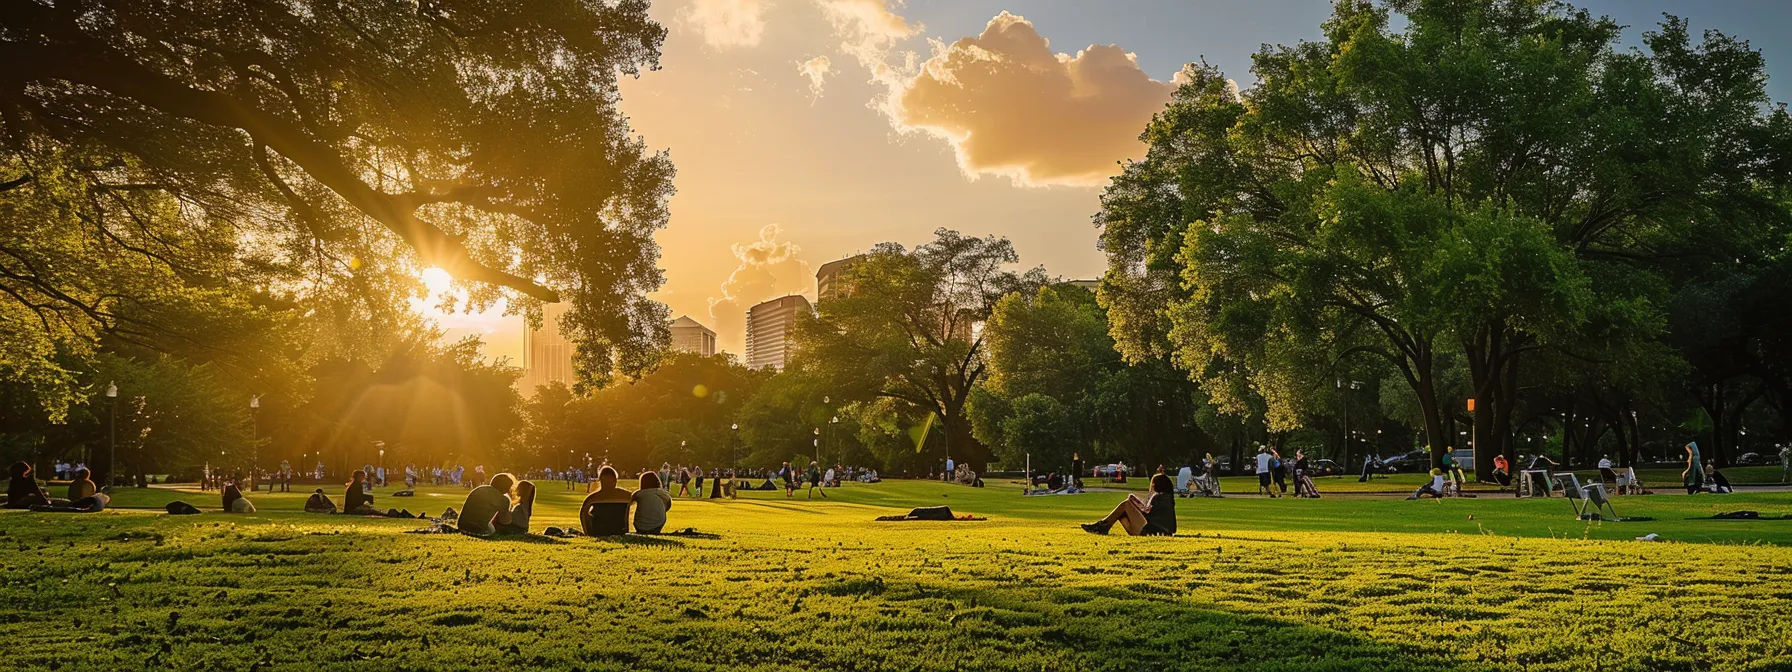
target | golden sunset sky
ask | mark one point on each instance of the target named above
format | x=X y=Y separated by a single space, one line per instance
x=804 y=131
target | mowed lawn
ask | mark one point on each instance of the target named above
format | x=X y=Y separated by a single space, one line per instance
x=1347 y=582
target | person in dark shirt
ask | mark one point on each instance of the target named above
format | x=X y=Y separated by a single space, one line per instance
x=1076 y=470
x=82 y=486
x=22 y=492
x=1141 y=517
x=356 y=498
x=605 y=511
x=318 y=502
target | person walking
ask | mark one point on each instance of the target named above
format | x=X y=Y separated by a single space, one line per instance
x=697 y=475
x=789 y=476
x=684 y=482
x=1263 y=472
x=1278 y=471
x=1694 y=476
x=815 y=480
x=1786 y=463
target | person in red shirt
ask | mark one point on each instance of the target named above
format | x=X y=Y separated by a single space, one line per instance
x=1502 y=470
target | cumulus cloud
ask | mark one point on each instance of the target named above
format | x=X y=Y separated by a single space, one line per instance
x=1009 y=106
x=767 y=268
x=868 y=30
x=816 y=70
x=726 y=23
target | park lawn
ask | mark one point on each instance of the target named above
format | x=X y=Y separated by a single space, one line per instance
x=1337 y=583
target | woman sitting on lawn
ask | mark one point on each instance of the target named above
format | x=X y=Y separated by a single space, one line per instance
x=22 y=492
x=82 y=486
x=319 y=502
x=1139 y=517
x=1719 y=483
x=651 y=504
x=488 y=506
x=604 y=512
x=235 y=502
x=356 y=500
x=519 y=514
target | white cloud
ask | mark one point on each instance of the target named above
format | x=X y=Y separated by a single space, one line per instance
x=1009 y=106
x=727 y=23
x=868 y=30
x=816 y=70
x=768 y=268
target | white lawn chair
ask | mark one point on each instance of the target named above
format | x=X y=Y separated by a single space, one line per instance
x=1577 y=496
x=1529 y=479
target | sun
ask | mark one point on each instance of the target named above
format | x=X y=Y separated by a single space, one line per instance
x=436 y=279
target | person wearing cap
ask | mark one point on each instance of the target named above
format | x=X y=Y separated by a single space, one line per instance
x=1435 y=487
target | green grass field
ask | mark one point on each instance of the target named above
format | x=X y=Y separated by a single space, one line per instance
x=1346 y=582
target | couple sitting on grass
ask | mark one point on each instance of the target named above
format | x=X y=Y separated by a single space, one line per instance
x=605 y=511
x=23 y=492
x=500 y=507
x=1141 y=517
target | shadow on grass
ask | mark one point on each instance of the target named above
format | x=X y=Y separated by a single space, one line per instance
x=1140 y=626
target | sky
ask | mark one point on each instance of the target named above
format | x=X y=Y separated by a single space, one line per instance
x=805 y=131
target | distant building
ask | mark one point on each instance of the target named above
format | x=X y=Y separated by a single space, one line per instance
x=771 y=329
x=547 y=355
x=1090 y=285
x=828 y=283
x=690 y=336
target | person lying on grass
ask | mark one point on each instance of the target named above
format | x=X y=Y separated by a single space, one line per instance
x=488 y=504
x=319 y=502
x=519 y=514
x=82 y=486
x=651 y=504
x=235 y=502
x=605 y=511
x=22 y=492
x=356 y=500
x=1156 y=517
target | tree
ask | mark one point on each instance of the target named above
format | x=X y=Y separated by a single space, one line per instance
x=1497 y=179
x=170 y=416
x=483 y=138
x=907 y=330
x=1054 y=346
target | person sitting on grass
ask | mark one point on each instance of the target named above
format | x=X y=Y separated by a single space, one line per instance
x=318 y=502
x=488 y=506
x=235 y=502
x=356 y=500
x=1140 y=517
x=22 y=492
x=82 y=486
x=604 y=512
x=651 y=504
x=1719 y=483
x=519 y=514
x=814 y=476
x=1434 y=487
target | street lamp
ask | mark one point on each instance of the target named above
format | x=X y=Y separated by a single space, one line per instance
x=255 y=441
x=111 y=433
x=733 y=436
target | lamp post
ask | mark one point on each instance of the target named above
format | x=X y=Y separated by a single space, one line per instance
x=733 y=436
x=255 y=442
x=111 y=434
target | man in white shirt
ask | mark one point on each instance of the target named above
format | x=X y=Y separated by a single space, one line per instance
x=1605 y=470
x=1263 y=471
x=949 y=469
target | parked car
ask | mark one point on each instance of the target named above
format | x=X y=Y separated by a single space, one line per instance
x=1756 y=460
x=1414 y=462
x=1325 y=468
x=1111 y=470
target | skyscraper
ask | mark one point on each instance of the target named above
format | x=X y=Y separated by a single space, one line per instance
x=770 y=329
x=828 y=283
x=690 y=336
x=547 y=355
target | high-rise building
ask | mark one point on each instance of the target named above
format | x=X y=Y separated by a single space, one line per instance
x=771 y=328
x=828 y=283
x=690 y=336
x=547 y=355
